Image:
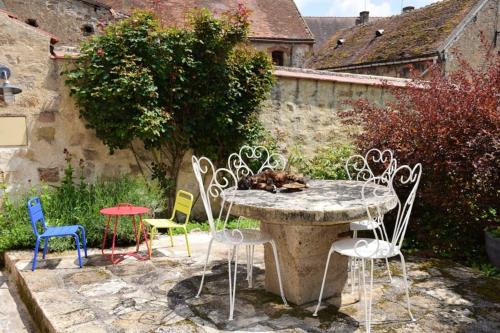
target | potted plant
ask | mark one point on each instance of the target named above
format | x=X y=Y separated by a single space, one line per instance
x=492 y=238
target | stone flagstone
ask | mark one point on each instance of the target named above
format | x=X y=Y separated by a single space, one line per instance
x=159 y=296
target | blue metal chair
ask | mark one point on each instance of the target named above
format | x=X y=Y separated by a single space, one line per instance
x=36 y=215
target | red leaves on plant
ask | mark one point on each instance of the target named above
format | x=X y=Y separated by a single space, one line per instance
x=450 y=124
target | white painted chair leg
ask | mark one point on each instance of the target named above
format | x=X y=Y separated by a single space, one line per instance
x=315 y=314
x=370 y=297
x=388 y=269
x=247 y=252
x=406 y=286
x=365 y=296
x=359 y=277
x=205 y=267
x=252 y=251
x=278 y=271
x=232 y=282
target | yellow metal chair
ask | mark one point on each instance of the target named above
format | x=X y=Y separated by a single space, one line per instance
x=183 y=204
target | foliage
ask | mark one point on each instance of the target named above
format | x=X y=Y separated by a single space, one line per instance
x=450 y=124
x=328 y=163
x=74 y=202
x=174 y=89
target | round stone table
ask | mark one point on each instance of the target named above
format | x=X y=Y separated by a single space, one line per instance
x=304 y=225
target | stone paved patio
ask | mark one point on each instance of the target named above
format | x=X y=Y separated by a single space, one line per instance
x=14 y=316
x=158 y=296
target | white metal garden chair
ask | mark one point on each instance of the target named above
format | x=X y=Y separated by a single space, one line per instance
x=249 y=161
x=362 y=168
x=217 y=181
x=381 y=246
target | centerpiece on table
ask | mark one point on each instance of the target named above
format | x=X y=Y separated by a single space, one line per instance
x=271 y=181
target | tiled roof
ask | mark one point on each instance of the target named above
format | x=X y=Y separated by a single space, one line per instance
x=418 y=33
x=323 y=27
x=270 y=19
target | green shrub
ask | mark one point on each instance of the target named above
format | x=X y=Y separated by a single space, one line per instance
x=328 y=163
x=176 y=89
x=75 y=203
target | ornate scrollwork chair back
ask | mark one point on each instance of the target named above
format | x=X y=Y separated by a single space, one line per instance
x=375 y=163
x=253 y=160
x=212 y=183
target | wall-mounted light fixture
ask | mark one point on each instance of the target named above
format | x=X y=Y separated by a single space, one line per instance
x=7 y=90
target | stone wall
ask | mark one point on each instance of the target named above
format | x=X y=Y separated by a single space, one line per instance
x=469 y=42
x=400 y=70
x=295 y=54
x=303 y=110
x=52 y=120
x=69 y=20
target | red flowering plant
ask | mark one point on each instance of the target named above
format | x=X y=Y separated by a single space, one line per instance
x=450 y=124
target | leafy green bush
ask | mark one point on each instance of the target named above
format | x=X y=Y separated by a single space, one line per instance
x=194 y=88
x=328 y=163
x=75 y=203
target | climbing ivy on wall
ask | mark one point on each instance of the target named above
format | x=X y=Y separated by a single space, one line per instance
x=174 y=89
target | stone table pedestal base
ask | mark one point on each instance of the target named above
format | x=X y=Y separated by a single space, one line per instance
x=302 y=252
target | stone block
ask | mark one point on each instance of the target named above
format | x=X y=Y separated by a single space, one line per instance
x=76 y=139
x=46 y=134
x=47 y=117
x=50 y=175
x=90 y=154
x=134 y=169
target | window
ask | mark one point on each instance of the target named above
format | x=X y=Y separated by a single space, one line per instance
x=278 y=58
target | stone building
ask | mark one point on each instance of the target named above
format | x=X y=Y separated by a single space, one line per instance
x=433 y=34
x=43 y=120
x=276 y=26
x=71 y=20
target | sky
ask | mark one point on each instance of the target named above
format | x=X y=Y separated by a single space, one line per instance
x=353 y=7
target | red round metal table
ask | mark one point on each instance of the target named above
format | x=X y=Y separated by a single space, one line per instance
x=117 y=212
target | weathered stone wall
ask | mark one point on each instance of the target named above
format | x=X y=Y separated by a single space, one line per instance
x=393 y=70
x=303 y=110
x=294 y=54
x=470 y=43
x=66 y=19
x=52 y=120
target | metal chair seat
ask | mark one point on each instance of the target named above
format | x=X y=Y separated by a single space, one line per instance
x=69 y=230
x=243 y=237
x=365 y=247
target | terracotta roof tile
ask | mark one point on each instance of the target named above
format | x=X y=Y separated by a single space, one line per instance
x=270 y=19
x=414 y=34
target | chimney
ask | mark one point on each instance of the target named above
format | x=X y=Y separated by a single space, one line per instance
x=408 y=9
x=364 y=17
